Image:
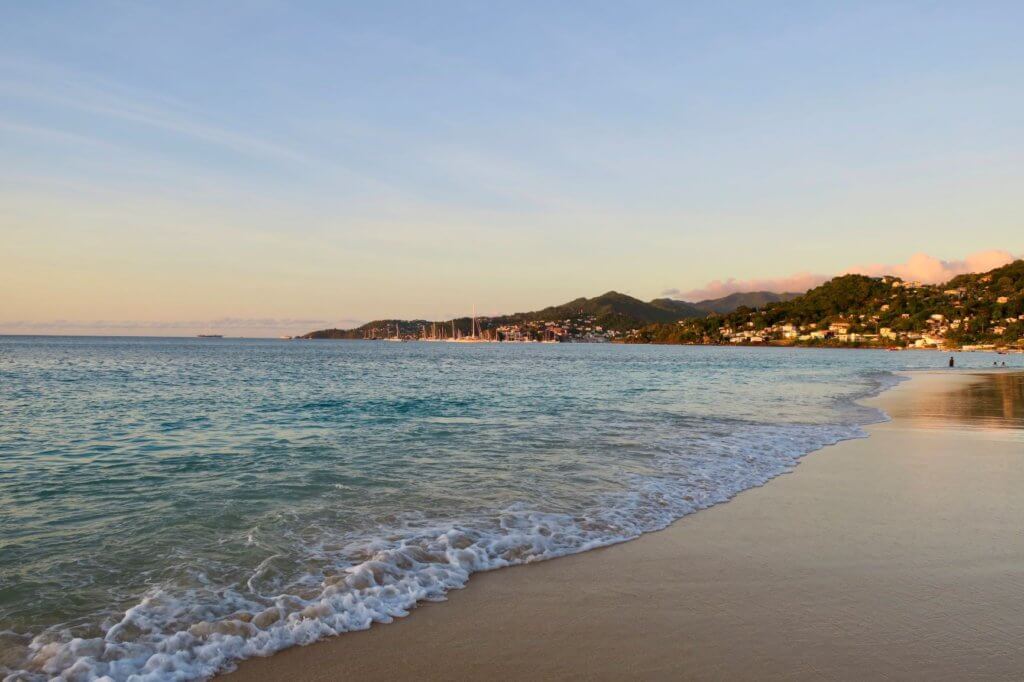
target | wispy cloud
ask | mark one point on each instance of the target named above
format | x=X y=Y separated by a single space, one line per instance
x=919 y=267
x=63 y=88
x=118 y=103
x=443 y=171
x=48 y=134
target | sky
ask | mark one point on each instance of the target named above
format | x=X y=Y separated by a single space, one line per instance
x=264 y=168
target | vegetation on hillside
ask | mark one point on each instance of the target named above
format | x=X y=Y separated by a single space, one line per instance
x=742 y=299
x=977 y=309
x=610 y=311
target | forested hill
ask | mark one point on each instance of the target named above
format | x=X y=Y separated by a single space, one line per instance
x=978 y=309
x=623 y=311
x=749 y=299
x=615 y=310
x=610 y=311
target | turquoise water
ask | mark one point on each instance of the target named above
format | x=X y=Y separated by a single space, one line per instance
x=172 y=505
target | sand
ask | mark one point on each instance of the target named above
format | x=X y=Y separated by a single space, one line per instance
x=899 y=556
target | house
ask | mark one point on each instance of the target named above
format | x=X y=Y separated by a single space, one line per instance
x=927 y=340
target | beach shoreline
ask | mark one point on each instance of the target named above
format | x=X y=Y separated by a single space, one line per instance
x=885 y=556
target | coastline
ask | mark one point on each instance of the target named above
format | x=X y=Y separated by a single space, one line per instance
x=891 y=555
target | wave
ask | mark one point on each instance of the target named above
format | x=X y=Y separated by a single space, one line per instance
x=186 y=634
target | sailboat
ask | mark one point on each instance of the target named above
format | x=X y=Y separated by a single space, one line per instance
x=475 y=335
x=397 y=336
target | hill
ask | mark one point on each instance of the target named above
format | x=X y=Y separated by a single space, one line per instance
x=609 y=312
x=976 y=309
x=615 y=310
x=746 y=299
x=982 y=309
x=378 y=329
x=682 y=309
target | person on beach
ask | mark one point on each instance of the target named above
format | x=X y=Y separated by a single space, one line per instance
x=951 y=363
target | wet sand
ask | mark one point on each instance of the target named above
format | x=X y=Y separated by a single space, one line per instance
x=900 y=556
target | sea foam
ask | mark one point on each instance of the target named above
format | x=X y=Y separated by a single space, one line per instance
x=331 y=487
x=166 y=637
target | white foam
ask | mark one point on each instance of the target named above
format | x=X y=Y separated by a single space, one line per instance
x=172 y=636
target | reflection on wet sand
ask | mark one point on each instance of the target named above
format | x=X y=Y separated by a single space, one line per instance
x=994 y=401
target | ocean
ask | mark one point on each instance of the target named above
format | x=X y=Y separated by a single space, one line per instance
x=170 y=506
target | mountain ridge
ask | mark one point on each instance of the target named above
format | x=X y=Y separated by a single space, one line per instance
x=978 y=308
x=611 y=309
x=743 y=299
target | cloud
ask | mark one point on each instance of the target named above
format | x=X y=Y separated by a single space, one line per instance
x=919 y=267
x=799 y=282
x=133 y=110
x=48 y=134
x=930 y=270
x=65 y=89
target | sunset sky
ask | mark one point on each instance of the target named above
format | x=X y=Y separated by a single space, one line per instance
x=266 y=167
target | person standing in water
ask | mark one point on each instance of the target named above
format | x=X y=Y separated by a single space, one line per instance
x=951 y=362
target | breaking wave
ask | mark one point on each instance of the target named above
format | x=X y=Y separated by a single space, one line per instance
x=195 y=632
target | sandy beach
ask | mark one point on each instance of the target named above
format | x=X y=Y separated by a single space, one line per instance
x=898 y=556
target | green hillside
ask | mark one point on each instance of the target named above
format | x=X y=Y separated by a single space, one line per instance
x=615 y=310
x=610 y=311
x=747 y=299
x=983 y=309
x=682 y=309
x=976 y=309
